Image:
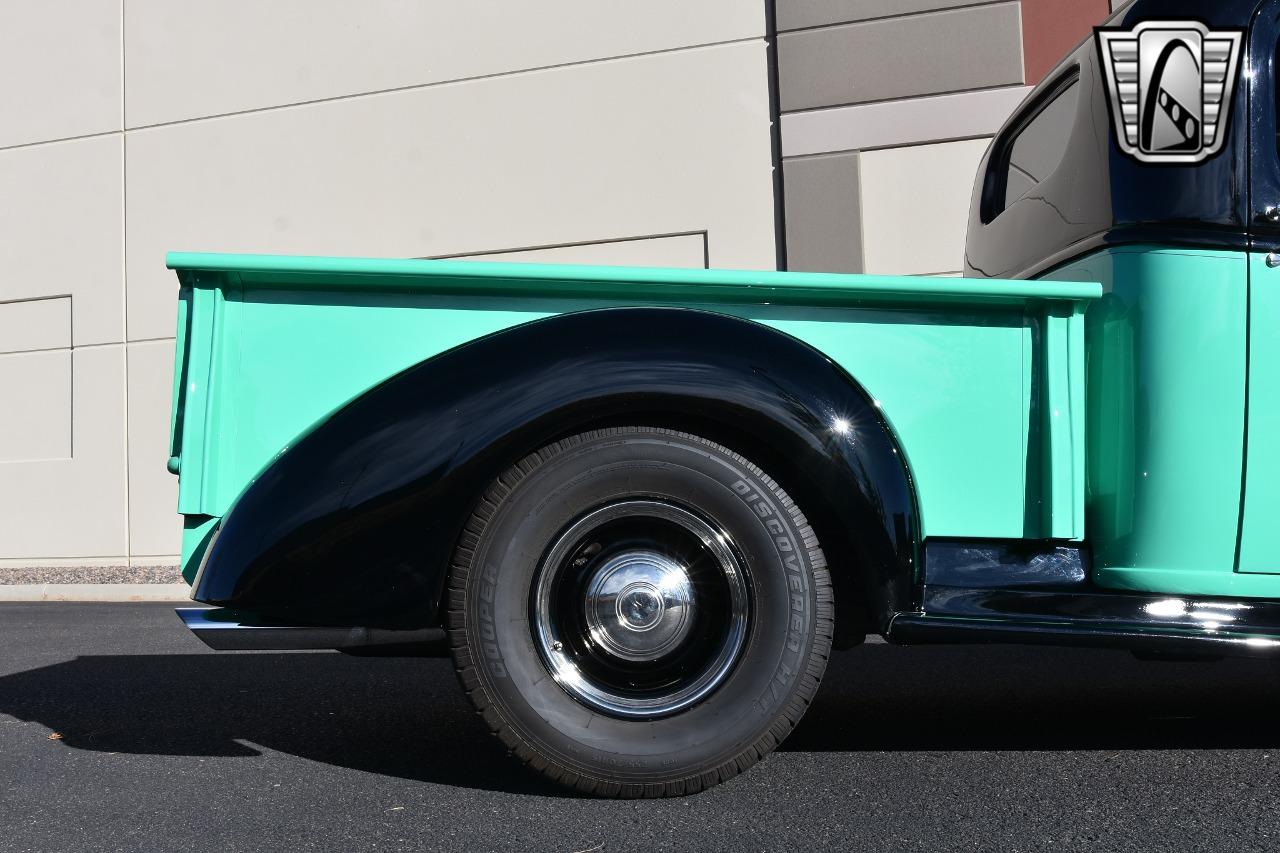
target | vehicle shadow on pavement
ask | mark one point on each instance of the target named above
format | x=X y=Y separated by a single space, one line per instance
x=407 y=717
x=404 y=717
x=1025 y=698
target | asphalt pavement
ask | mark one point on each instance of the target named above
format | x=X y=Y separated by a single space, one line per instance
x=120 y=731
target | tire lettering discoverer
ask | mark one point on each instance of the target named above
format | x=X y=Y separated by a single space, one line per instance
x=639 y=612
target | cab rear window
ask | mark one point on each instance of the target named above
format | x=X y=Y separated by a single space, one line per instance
x=1033 y=151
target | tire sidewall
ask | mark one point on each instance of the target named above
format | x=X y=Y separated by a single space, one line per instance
x=599 y=470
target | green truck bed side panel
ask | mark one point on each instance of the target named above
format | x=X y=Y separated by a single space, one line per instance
x=282 y=342
x=1166 y=361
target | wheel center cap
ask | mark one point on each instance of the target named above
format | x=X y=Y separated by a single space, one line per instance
x=640 y=605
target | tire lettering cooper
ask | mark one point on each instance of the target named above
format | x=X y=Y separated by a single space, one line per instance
x=488 y=627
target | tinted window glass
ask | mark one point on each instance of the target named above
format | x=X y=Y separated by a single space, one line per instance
x=1038 y=148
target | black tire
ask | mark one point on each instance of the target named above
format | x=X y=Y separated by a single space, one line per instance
x=503 y=666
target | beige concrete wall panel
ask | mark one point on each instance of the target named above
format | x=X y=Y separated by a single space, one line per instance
x=155 y=528
x=686 y=251
x=192 y=58
x=936 y=53
x=35 y=417
x=60 y=214
x=35 y=324
x=915 y=206
x=59 y=69
x=72 y=508
x=824 y=220
x=800 y=14
x=677 y=142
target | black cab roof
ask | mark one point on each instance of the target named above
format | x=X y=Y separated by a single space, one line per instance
x=1091 y=193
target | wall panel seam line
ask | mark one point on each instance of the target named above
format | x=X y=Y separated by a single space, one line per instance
x=6 y=353
x=773 y=82
x=924 y=13
x=71 y=372
x=892 y=16
x=124 y=286
x=818 y=155
x=893 y=147
x=59 y=140
x=1022 y=45
x=141 y=340
x=78 y=347
x=908 y=100
x=124 y=84
x=921 y=97
x=602 y=60
x=43 y=298
x=921 y=143
x=600 y=242
x=862 y=219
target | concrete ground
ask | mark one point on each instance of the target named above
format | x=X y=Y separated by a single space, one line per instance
x=120 y=731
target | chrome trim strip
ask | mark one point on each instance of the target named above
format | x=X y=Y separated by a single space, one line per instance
x=226 y=630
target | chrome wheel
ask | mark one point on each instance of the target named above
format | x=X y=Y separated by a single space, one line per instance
x=640 y=608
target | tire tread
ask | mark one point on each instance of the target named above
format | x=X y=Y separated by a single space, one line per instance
x=802 y=695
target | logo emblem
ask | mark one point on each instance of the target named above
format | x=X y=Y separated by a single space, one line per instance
x=1169 y=84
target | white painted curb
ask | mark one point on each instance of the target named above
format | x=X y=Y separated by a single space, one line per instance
x=95 y=592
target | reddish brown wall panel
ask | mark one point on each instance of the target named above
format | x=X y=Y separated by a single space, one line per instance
x=1051 y=28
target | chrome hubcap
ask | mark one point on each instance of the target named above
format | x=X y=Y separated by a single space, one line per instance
x=640 y=605
x=640 y=609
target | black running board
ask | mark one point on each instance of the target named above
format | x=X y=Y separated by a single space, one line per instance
x=1142 y=622
x=228 y=630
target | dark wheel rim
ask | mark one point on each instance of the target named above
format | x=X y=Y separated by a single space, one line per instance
x=640 y=608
